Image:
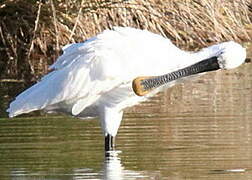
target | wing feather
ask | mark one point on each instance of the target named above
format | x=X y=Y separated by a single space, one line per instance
x=64 y=84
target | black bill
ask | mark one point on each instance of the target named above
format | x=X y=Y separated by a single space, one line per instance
x=206 y=65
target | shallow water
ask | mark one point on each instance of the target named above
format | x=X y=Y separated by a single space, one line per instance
x=198 y=130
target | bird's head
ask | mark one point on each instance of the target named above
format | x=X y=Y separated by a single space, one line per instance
x=231 y=56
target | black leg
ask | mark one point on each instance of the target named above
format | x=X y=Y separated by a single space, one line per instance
x=109 y=143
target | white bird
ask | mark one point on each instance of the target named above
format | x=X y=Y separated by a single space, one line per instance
x=94 y=78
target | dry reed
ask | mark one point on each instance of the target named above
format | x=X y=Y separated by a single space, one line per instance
x=32 y=32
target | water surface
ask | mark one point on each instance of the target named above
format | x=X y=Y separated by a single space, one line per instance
x=196 y=130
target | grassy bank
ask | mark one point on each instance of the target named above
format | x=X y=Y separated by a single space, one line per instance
x=33 y=32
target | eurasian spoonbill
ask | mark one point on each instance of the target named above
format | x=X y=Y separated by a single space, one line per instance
x=94 y=78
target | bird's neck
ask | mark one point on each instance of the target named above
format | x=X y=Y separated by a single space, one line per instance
x=187 y=58
x=206 y=53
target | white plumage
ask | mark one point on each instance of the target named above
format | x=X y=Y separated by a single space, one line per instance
x=94 y=78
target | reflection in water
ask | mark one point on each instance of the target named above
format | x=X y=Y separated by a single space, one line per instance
x=152 y=148
x=112 y=170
